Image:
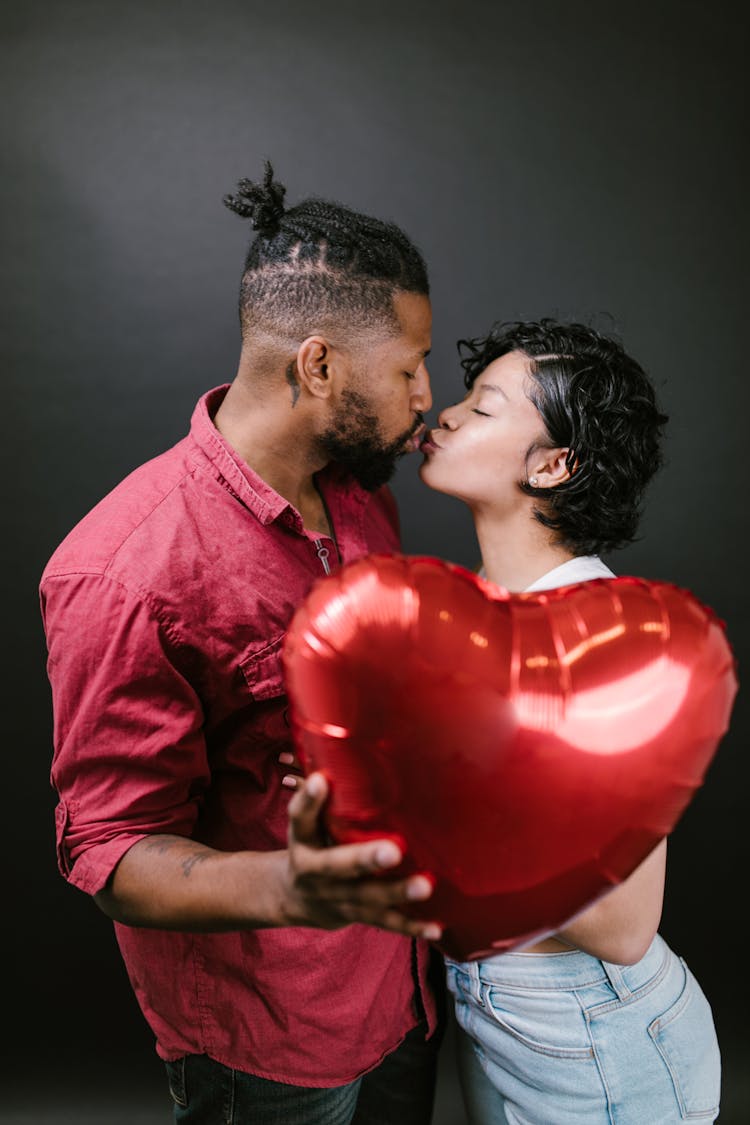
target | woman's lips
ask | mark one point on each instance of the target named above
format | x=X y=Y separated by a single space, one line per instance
x=428 y=445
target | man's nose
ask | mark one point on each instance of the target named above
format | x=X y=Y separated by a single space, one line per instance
x=422 y=392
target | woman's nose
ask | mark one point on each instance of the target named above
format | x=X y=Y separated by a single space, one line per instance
x=447 y=418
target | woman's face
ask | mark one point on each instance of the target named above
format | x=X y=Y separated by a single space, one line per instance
x=480 y=452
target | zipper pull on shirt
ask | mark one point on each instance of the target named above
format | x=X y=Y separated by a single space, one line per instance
x=323 y=555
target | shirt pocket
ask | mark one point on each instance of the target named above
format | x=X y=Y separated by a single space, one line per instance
x=263 y=670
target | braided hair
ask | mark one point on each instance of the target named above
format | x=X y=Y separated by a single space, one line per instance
x=597 y=401
x=319 y=265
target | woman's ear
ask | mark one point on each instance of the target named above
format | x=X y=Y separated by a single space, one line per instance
x=550 y=467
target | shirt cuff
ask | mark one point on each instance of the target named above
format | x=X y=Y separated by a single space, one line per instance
x=93 y=868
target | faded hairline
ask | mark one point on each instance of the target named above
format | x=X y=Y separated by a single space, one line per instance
x=291 y=301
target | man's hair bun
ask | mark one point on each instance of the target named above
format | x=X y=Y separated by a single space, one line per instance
x=318 y=264
x=262 y=203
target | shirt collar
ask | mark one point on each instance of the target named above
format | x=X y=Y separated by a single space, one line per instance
x=582 y=568
x=258 y=497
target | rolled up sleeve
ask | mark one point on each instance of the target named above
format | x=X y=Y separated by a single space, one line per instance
x=129 y=753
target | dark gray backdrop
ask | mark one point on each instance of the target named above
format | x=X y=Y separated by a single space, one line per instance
x=580 y=159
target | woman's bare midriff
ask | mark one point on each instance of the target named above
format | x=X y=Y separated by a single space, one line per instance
x=548 y=945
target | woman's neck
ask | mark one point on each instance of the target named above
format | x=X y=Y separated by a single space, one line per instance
x=518 y=550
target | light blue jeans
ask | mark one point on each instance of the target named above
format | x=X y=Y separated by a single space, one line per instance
x=566 y=1039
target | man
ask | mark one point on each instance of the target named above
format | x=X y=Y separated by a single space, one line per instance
x=165 y=610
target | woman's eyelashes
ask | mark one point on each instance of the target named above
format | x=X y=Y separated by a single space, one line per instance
x=483 y=413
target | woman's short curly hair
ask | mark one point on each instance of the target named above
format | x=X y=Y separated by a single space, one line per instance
x=597 y=401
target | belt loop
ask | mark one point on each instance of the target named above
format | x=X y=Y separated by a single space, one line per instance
x=617 y=980
x=476 y=984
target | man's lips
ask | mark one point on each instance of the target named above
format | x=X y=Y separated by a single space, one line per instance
x=415 y=440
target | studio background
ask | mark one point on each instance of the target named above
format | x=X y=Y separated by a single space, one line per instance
x=578 y=159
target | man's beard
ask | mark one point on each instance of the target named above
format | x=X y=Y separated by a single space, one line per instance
x=354 y=440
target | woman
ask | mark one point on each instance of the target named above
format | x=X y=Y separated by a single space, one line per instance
x=552 y=448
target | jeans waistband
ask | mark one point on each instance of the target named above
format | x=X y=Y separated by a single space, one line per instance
x=565 y=970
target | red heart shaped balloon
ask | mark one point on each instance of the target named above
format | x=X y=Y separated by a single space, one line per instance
x=526 y=750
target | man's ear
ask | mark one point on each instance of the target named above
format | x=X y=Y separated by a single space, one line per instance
x=316 y=362
x=549 y=467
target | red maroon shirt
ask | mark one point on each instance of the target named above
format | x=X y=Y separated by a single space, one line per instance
x=165 y=609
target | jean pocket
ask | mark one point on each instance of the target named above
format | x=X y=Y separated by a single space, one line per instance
x=685 y=1037
x=545 y=1022
x=176 y=1079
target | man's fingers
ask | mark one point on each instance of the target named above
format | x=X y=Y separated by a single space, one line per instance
x=349 y=861
x=394 y=921
x=305 y=808
x=291 y=780
x=338 y=875
x=379 y=893
x=343 y=861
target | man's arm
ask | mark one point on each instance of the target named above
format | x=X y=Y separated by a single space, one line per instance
x=172 y=882
x=130 y=767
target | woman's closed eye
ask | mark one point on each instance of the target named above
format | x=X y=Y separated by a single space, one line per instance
x=484 y=413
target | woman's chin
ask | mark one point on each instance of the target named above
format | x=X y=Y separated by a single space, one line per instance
x=426 y=475
x=432 y=479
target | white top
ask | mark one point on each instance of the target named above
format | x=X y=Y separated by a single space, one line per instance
x=580 y=569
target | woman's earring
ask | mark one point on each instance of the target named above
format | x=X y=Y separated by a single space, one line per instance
x=533 y=482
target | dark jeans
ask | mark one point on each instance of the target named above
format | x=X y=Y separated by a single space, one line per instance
x=401 y=1091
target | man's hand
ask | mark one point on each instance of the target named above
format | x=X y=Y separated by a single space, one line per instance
x=329 y=886
x=176 y=883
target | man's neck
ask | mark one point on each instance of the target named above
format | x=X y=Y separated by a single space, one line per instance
x=265 y=432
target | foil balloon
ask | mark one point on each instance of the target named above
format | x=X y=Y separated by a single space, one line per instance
x=527 y=751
